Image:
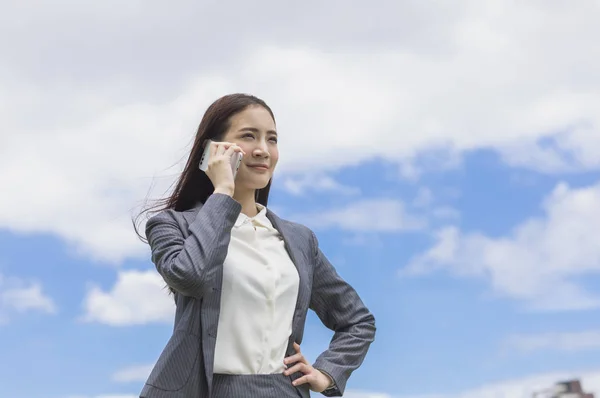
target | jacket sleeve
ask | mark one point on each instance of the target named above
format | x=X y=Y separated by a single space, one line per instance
x=340 y=309
x=188 y=265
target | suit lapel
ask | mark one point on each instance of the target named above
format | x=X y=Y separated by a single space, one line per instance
x=298 y=257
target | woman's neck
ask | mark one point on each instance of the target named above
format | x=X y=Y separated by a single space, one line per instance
x=248 y=202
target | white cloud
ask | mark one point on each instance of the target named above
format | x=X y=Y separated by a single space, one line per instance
x=476 y=75
x=19 y=296
x=369 y=215
x=424 y=201
x=300 y=185
x=136 y=373
x=138 y=297
x=565 y=341
x=539 y=261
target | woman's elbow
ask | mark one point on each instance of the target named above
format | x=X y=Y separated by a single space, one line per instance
x=368 y=326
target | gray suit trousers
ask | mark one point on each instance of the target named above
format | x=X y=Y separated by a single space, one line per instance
x=257 y=386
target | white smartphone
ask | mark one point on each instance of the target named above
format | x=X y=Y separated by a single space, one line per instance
x=236 y=159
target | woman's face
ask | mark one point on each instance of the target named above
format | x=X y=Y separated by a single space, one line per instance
x=254 y=131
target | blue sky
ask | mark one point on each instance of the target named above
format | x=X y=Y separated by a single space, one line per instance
x=448 y=158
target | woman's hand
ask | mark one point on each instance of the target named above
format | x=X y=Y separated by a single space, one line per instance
x=219 y=166
x=317 y=380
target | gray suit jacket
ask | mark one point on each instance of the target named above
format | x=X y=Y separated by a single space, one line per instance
x=189 y=249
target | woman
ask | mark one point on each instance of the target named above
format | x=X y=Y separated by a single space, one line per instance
x=243 y=279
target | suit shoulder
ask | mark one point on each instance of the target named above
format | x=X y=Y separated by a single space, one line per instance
x=170 y=215
x=176 y=213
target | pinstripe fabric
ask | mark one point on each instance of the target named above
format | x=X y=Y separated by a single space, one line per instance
x=189 y=248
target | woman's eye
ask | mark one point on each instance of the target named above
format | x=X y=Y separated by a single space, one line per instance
x=248 y=135
x=274 y=140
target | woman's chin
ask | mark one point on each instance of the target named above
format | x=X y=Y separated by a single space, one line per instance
x=253 y=184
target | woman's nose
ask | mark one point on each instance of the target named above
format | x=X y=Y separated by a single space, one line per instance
x=261 y=150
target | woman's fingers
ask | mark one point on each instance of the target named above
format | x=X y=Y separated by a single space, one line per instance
x=303 y=380
x=220 y=148
x=233 y=148
x=297 y=357
x=294 y=358
x=299 y=367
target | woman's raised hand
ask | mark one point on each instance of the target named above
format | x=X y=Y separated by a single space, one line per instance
x=219 y=166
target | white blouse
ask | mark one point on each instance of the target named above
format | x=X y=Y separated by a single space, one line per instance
x=258 y=299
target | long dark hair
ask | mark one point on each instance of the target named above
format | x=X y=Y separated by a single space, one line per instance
x=193 y=185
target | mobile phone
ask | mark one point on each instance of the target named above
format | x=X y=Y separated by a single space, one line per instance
x=236 y=159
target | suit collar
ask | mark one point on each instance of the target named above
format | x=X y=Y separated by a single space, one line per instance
x=285 y=228
x=260 y=219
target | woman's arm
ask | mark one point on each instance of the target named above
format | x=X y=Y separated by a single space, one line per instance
x=340 y=309
x=188 y=265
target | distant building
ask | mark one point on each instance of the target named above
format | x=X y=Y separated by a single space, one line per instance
x=564 y=389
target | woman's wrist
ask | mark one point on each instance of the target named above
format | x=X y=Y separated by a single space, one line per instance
x=331 y=384
x=224 y=190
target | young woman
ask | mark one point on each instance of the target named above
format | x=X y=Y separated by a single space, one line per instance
x=243 y=279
